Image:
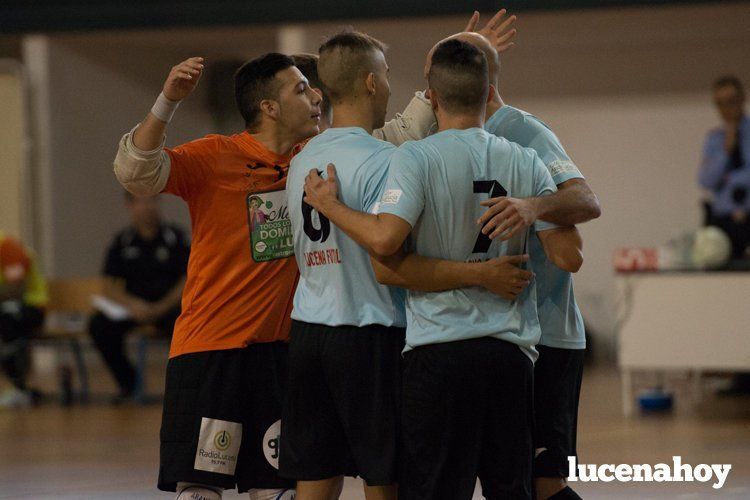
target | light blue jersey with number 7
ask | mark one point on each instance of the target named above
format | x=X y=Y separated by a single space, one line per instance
x=436 y=185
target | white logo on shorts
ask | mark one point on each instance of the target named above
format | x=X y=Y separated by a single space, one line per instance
x=218 y=446
x=271 y=444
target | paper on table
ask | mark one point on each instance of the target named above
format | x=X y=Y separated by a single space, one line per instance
x=111 y=309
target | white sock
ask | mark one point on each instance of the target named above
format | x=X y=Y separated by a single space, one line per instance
x=191 y=491
x=271 y=494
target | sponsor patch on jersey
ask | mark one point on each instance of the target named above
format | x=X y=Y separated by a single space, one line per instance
x=270 y=227
x=391 y=197
x=558 y=167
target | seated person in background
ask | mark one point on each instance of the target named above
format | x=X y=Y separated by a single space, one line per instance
x=725 y=170
x=23 y=295
x=145 y=273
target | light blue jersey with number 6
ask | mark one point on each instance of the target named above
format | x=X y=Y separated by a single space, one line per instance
x=337 y=285
x=436 y=185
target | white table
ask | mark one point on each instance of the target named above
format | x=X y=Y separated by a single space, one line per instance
x=682 y=321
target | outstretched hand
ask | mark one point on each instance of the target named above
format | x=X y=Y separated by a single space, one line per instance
x=183 y=78
x=498 y=30
x=319 y=192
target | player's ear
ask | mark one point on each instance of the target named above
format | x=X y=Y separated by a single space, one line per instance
x=270 y=108
x=490 y=93
x=432 y=96
x=370 y=83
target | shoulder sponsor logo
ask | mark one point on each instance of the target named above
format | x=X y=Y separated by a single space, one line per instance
x=558 y=167
x=391 y=197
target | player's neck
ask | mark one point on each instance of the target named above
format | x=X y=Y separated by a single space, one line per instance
x=275 y=140
x=459 y=122
x=347 y=114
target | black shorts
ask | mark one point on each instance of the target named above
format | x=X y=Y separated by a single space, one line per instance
x=557 y=387
x=342 y=404
x=221 y=419
x=467 y=413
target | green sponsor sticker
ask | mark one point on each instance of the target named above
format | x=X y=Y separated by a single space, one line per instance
x=270 y=227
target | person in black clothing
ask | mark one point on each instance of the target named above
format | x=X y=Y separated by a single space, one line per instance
x=144 y=272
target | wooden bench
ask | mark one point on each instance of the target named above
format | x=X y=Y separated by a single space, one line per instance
x=66 y=326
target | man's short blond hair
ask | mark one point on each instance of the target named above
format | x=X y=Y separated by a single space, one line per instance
x=344 y=58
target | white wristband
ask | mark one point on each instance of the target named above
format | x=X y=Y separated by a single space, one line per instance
x=164 y=108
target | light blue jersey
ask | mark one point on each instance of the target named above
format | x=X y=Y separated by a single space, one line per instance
x=436 y=185
x=337 y=285
x=559 y=316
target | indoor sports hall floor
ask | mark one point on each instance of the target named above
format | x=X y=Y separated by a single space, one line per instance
x=112 y=453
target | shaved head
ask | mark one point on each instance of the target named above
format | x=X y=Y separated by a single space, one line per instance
x=481 y=43
x=345 y=59
x=458 y=77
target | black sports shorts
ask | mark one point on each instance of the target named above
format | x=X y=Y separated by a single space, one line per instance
x=467 y=413
x=221 y=419
x=341 y=413
x=557 y=388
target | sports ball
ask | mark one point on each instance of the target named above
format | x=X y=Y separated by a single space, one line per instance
x=711 y=248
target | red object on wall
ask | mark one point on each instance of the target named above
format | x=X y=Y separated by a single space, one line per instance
x=636 y=259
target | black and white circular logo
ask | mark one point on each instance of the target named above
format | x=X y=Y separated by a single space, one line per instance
x=271 y=444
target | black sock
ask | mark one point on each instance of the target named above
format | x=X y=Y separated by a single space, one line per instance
x=566 y=493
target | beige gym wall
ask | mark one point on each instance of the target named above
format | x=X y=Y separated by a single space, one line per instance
x=12 y=154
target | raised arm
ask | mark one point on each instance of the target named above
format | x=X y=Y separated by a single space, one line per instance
x=417 y=121
x=499 y=30
x=564 y=247
x=141 y=165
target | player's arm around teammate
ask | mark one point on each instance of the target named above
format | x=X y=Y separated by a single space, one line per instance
x=574 y=203
x=383 y=236
x=564 y=247
x=502 y=276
